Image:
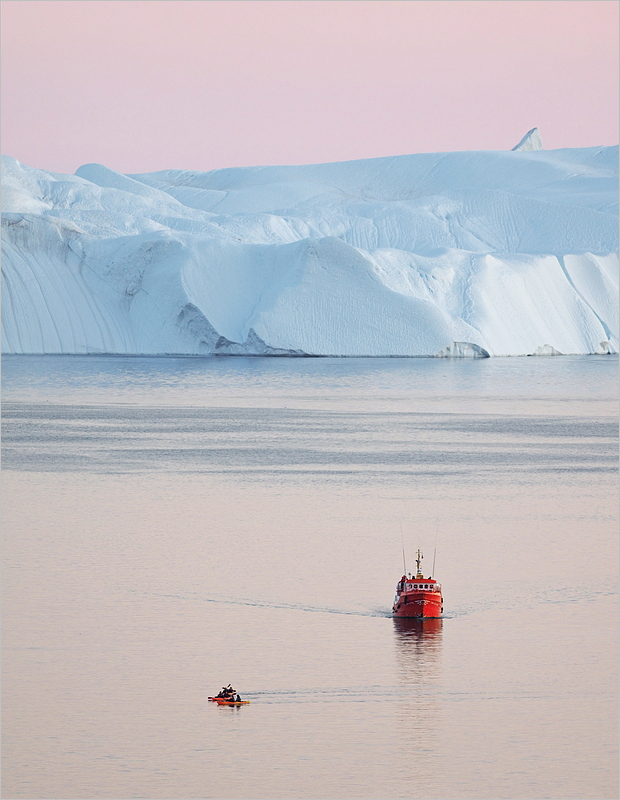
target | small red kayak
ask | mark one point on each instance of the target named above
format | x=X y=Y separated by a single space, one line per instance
x=221 y=702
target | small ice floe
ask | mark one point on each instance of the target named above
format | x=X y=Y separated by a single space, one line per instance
x=545 y=350
x=605 y=349
x=462 y=350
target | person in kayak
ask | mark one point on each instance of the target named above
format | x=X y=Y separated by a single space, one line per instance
x=238 y=698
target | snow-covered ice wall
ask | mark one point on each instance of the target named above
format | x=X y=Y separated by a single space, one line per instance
x=508 y=251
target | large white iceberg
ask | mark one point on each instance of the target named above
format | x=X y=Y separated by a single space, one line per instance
x=400 y=256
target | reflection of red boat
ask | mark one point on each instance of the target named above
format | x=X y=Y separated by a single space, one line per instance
x=418 y=628
x=419 y=596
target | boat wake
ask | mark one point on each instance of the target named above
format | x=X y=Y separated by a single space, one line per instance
x=351 y=694
x=371 y=612
x=552 y=595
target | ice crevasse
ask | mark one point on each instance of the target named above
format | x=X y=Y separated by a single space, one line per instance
x=451 y=254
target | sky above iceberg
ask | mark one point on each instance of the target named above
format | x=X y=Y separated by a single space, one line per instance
x=143 y=86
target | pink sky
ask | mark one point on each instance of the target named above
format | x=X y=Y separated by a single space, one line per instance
x=142 y=86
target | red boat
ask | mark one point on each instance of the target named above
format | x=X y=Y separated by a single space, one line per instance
x=419 y=596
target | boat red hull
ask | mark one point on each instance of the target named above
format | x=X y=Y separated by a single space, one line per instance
x=418 y=605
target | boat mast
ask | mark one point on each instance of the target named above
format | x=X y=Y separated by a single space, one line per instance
x=418 y=561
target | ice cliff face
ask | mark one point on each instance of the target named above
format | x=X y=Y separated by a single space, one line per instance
x=504 y=252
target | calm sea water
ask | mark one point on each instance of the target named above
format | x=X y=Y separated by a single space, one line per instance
x=173 y=524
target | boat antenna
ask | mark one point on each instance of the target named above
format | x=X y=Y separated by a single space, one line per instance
x=403 y=544
x=435 y=553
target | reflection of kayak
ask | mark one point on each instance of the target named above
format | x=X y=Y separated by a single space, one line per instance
x=221 y=702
